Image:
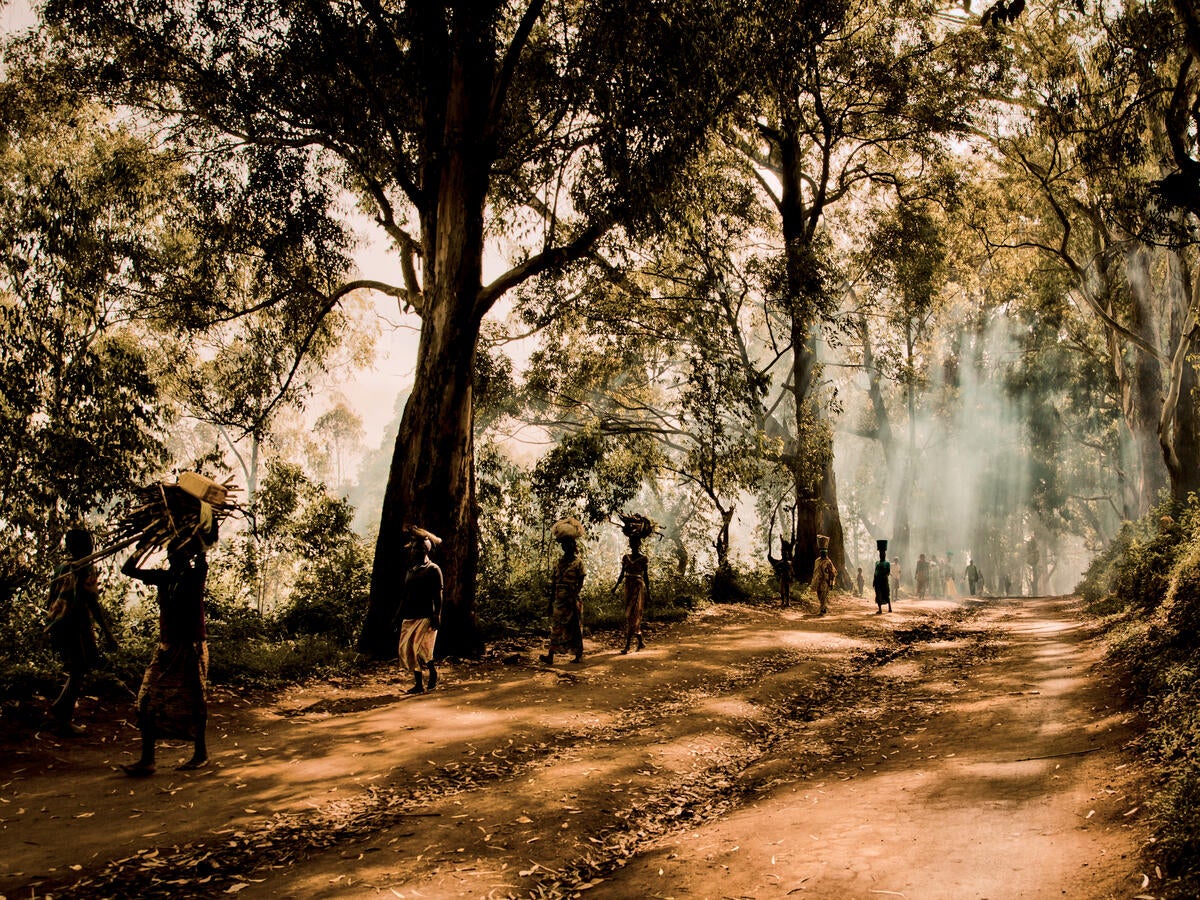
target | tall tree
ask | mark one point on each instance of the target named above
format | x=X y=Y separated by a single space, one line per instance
x=81 y=204
x=1104 y=187
x=450 y=122
x=842 y=101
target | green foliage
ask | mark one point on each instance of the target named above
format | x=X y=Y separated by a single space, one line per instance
x=1135 y=570
x=592 y=473
x=1153 y=572
x=81 y=418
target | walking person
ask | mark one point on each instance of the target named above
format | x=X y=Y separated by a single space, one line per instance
x=173 y=700
x=635 y=572
x=859 y=583
x=882 y=579
x=922 y=573
x=420 y=612
x=824 y=574
x=73 y=612
x=566 y=602
x=971 y=573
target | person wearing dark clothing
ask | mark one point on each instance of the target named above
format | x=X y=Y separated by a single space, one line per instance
x=882 y=578
x=74 y=610
x=973 y=577
x=420 y=612
x=173 y=700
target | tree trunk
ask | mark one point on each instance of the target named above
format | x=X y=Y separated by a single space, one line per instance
x=432 y=479
x=1143 y=396
x=431 y=485
x=816 y=502
x=1179 y=423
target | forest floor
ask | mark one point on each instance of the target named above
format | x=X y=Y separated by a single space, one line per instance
x=952 y=749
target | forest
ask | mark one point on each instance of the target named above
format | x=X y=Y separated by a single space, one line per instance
x=920 y=271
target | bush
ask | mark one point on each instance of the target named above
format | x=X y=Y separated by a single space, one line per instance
x=1153 y=571
x=270 y=664
x=330 y=595
x=1134 y=571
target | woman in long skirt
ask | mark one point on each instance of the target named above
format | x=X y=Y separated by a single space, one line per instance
x=635 y=572
x=566 y=603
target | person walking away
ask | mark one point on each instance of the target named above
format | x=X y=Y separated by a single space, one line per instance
x=824 y=574
x=173 y=700
x=566 y=602
x=859 y=582
x=635 y=572
x=420 y=612
x=895 y=565
x=74 y=610
x=882 y=579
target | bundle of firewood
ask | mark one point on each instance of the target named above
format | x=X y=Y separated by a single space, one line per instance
x=164 y=513
x=636 y=525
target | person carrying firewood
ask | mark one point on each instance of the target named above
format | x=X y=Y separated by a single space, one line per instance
x=172 y=702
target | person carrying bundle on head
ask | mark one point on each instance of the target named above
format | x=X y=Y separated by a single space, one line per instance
x=566 y=602
x=635 y=572
x=882 y=579
x=173 y=699
x=420 y=612
x=824 y=574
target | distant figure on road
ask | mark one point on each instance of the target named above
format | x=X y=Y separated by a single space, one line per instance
x=635 y=572
x=922 y=573
x=173 y=700
x=420 y=612
x=824 y=574
x=858 y=581
x=882 y=579
x=971 y=573
x=1006 y=582
x=566 y=604
x=74 y=607
x=896 y=578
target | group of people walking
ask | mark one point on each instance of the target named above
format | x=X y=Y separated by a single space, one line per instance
x=932 y=577
x=566 y=603
x=171 y=702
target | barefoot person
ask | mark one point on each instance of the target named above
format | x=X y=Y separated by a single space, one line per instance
x=635 y=572
x=824 y=575
x=882 y=580
x=74 y=610
x=420 y=612
x=566 y=605
x=172 y=702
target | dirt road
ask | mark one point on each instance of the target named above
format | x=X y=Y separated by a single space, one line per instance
x=954 y=749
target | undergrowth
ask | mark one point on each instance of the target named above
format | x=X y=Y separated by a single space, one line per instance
x=1148 y=584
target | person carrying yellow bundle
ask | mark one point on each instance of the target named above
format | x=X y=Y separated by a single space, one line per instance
x=824 y=574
